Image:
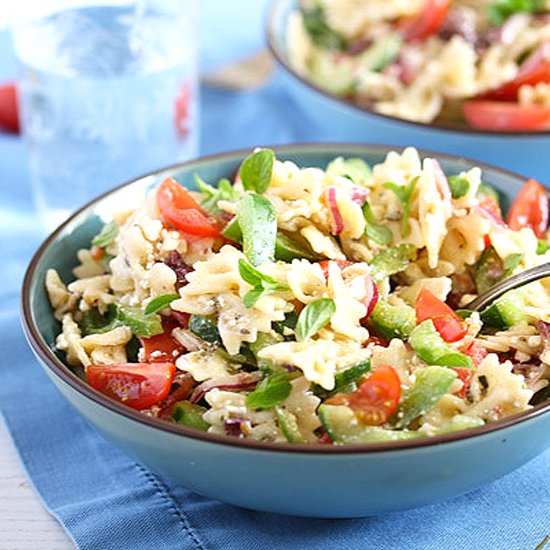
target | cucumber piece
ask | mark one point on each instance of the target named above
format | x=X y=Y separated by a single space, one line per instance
x=203 y=328
x=431 y=348
x=393 y=321
x=431 y=384
x=289 y=426
x=232 y=231
x=458 y=423
x=507 y=311
x=342 y=426
x=263 y=340
x=189 y=414
x=381 y=53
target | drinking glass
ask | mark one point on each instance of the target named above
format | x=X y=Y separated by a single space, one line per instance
x=107 y=91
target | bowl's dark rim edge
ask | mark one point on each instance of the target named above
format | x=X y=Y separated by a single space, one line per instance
x=272 y=41
x=64 y=373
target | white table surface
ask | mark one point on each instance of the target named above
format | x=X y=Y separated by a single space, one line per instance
x=24 y=522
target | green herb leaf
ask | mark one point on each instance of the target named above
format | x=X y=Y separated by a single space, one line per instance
x=314 y=317
x=502 y=9
x=224 y=192
x=319 y=31
x=287 y=249
x=262 y=283
x=271 y=391
x=458 y=186
x=94 y=323
x=542 y=247
x=256 y=170
x=106 y=236
x=392 y=261
x=376 y=232
x=159 y=303
x=404 y=194
x=258 y=223
x=203 y=328
x=141 y=325
x=355 y=169
x=511 y=262
x=463 y=313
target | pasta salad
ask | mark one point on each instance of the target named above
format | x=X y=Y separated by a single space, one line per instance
x=484 y=63
x=314 y=305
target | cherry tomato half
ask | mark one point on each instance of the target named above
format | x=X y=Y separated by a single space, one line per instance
x=427 y=22
x=179 y=209
x=535 y=69
x=530 y=209
x=376 y=399
x=162 y=348
x=498 y=115
x=449 y=325
x=138 y=385
x=9 y=115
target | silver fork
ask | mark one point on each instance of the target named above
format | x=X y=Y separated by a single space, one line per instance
x=534 y=274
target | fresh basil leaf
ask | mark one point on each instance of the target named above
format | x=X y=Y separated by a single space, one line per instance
x=464 y=313
x=141 y=325
x=314 y=317
x=319 y=31
x=258 y=223
x=355 y=169
x=106 y=236
x=203 y=328
x=252 y=296
x=404 y=194
x=224 y=192
x=542 y=247
x=378 y=233
x=458 y=186
x=159 y=303
x=261 y=283
x=271 y=391
x=93 y=322
x=511 y=262
x=287 y=249
x=392 y=261
x=499 y=11
x=256 y=170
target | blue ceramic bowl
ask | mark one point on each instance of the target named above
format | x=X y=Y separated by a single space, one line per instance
x=341 y=120
x=355 y=480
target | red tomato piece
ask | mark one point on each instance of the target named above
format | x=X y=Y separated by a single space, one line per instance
x=179 y=209
x=342 y=264
x=162 y=348
x=476 y=352
x=466 y=376
x=427 y=22
x=530 y=209
x=138 y=385
x=449 y=325
x=181 y=115
x=535 y=69
x=9 y=114
x=376 y=399
x=497 y=115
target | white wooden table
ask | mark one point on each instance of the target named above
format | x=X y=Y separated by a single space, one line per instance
x=24 y=523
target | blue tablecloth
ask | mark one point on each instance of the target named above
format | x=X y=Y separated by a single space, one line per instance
x=105 y=500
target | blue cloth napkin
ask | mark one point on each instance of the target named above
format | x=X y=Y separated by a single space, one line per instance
x=104 y=499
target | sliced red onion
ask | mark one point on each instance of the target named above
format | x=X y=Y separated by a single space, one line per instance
x=441 y=180
x=409 y=63
x=461 y=22
x=371 y=297
x=337 y=220
x=359 y=195
x=486 y=213
x=175 y=262
x=235 y=382
x=234 y=426
x=544 y=330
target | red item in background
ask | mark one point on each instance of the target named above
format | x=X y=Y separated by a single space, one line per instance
x=9 y=114
x=498 y=115
x=530 y=209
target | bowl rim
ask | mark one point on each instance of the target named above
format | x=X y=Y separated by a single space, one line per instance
x=66 y=375
x=274 y=46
